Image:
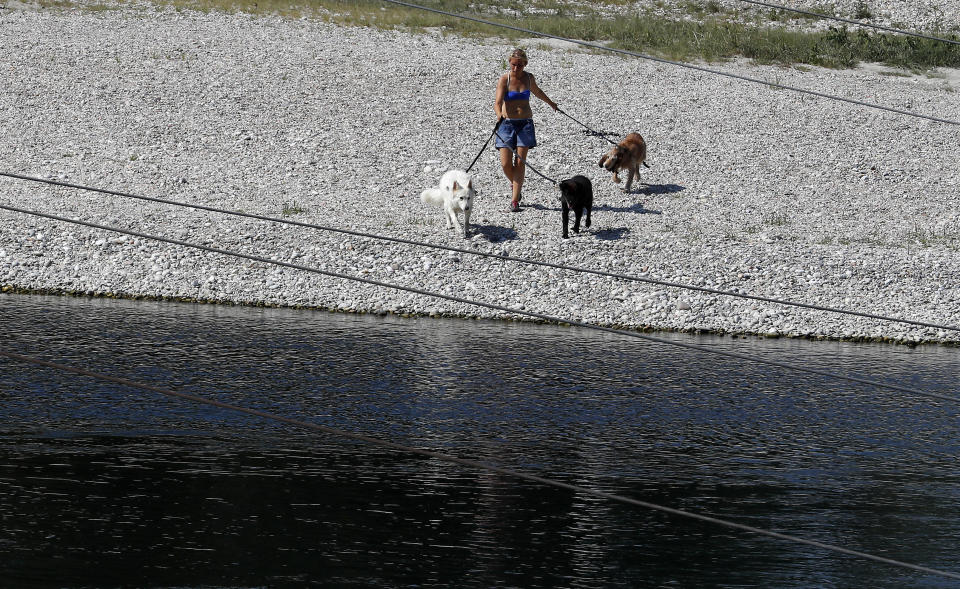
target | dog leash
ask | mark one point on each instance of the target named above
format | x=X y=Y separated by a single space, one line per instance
x=592 y=132
x=517 y=155
x=597 y=133
x=495 y=127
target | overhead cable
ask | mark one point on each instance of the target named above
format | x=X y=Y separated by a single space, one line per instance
x=676 y=63
x=858 y=23
x=475 y=464
x=626 y=277
x=540 y=316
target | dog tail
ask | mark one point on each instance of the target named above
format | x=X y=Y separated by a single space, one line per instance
x=432 y=196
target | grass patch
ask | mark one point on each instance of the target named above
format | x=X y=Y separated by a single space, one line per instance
x=292 y=209
x=713 y=36
x=776 y=219
x=929 y=238
x=862 y=12
x=702 y=8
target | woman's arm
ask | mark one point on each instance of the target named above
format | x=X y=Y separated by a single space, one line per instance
x=501 y=93
x=540 y=93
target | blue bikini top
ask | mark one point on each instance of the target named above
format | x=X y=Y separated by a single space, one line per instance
x=515 y=95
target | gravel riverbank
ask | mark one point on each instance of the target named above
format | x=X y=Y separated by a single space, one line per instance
x=751 y=189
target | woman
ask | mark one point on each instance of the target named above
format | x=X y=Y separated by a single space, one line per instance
x=516 y=131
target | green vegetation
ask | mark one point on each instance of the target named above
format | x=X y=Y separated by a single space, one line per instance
x=292 y=209
x=927 y=237
x=776 y=219
x=862 y=12
x=714 y=33
x=896 y=74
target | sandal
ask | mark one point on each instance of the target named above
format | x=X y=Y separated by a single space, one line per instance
x=514 y=207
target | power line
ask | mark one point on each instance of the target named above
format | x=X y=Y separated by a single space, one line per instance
x=541 y=316
x=859 y=23
x=475 y=464
x=677 y=63
x=626 y=277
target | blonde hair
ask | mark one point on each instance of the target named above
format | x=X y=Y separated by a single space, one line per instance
x=519 y=54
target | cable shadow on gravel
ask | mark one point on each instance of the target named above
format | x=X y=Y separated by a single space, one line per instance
x=611 y=234
x=539 y=206
x=495 y=233
x=636 y=207
x=653 y=189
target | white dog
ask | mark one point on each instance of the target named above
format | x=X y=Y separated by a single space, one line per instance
x=455 y=194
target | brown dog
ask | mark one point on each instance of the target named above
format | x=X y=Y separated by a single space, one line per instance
x=626 y=155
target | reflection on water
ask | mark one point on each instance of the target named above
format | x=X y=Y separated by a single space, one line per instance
x=105 y=486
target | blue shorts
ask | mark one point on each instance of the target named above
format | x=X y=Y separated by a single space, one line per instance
x=516 y=132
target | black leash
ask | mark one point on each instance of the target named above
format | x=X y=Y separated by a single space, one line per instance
x=597 y=133
x=592 y=132
x=517 y=155
x=495 y=127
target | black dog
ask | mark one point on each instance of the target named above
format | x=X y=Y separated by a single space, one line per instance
x=575 y=194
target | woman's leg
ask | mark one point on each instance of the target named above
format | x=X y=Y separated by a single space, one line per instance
x=506 y=162
x=519 y=171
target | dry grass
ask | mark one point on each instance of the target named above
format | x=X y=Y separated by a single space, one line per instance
x=714 y=34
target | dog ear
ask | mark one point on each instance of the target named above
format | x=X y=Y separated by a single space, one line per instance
x=456 y=185
x=470 y=184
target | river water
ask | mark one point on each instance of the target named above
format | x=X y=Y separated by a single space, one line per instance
x=106 y=486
